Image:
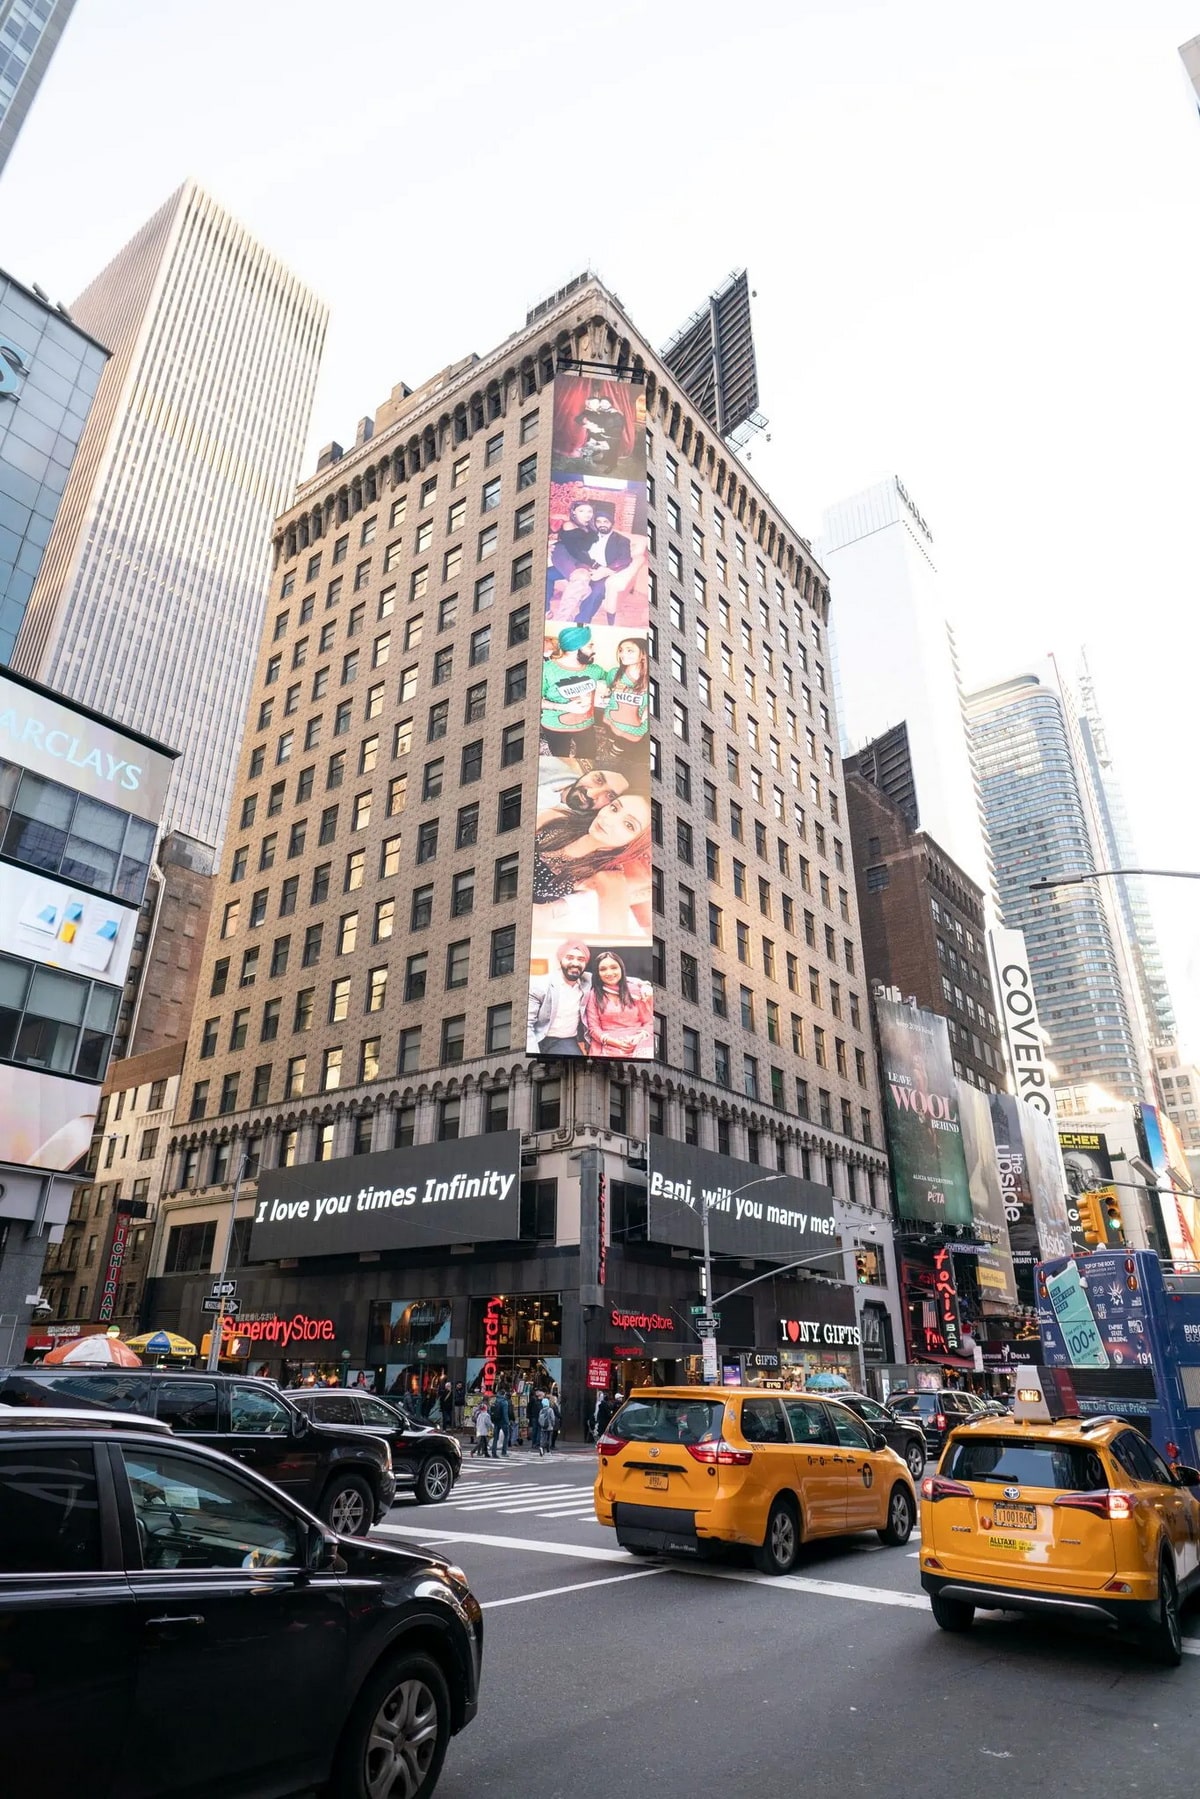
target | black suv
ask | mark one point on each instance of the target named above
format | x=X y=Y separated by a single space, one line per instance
x=904 y=1435
x=937 y=1413
x=344 y=1476
x=172 y=1624
x=427 y=1461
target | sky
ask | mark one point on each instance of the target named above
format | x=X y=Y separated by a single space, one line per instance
x=973 y=234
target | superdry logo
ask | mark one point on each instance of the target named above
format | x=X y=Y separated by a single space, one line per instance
x=300 y=1328
x=641 y=1321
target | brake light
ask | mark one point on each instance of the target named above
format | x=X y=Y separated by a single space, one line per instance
x=940 y=1421
x=934 y=1487
x=722 y=1454
x=610 y=1445
x=1105 y=1503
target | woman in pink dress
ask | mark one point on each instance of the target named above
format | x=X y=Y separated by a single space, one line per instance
x=618 y=1014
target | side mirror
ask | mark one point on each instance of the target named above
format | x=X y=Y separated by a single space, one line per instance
x=878 y=1440
x=300 y=1424
x=1186 y=1475
x=320 y=1550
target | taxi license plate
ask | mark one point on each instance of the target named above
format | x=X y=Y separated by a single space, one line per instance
x=1015 y=1517
x=658 y=1481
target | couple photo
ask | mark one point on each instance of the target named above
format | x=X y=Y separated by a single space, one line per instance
x=595 y=569
x=595 y=694
x=588 y=1002
x=592 y=854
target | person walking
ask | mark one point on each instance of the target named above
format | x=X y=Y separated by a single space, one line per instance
x=446 y=1404
x=460 y=1402
x=499 y=1417
x=533 y=1406
x=545 y=1426
x=604 y=1412
x=483 y=1428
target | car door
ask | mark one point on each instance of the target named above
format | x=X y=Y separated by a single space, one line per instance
x=404 y=1440
x=240 y=1681
x=69 y=1635
x=765 y=1429
x=876 y=1418
x=860 y=1468
x=820 y=1475
x=263 y=1434
x=1172 y=1502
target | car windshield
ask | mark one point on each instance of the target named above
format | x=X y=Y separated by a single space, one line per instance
x=1069 y=1467
x=913 y=1403
x=669 y=1420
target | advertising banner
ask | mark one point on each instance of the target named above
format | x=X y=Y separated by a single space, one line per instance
x=1043 y=1162
x=750 y=1212
x=1023 y=1038
x=590 y=992
x=1014 y=1181
x=997 y=1277
x=920 y=1097
x=819 y=1317
x=462 y=1192
x=67 y=745
x=1092 y=1313
x=45 y=1119
x=42 y=920
x=1177 y=1207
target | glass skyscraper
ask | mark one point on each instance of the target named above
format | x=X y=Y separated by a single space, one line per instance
x=29 y=34
x=1036 y=808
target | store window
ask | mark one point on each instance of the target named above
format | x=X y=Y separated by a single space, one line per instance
x=515 y=1341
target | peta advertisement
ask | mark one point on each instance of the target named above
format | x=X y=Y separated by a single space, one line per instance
x=462 y=1192
x=750 y=1212
x=920 y=1102
x=590 y=992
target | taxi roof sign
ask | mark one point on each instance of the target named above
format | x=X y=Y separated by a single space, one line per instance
x=1045 y=1395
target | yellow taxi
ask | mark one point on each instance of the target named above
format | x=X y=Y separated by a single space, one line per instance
x=683 y=1468
x=1061 y=1516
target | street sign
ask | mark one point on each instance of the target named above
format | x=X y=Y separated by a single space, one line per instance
x=707 y=1330
x=422 y=1355
x=223 y=1289
x=230 y=1307
x=710 y=1361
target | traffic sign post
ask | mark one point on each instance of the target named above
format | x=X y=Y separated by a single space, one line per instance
x=223 y=1289
x=228 y=1308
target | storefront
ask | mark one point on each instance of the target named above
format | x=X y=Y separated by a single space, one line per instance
x=820 y=1335
x=514 y=1341
x=408 y=1349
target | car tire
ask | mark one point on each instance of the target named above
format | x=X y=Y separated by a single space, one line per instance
x=780 y=1546
x=347 y=1506
x=1165 y=1637
x=403 y=1712
x=901 y=1516
x=951 y=1614
x=914 y=1456
x=435 y=1482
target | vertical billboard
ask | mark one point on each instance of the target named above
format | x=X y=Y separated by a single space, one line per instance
x=920 y=1097
x=1176 y=1203
x=997 y=1278
x=1023 y=1037
x=590 y=991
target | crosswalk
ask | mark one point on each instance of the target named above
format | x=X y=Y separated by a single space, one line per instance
x=515 y=1496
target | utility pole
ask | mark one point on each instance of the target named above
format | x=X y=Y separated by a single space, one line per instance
x=218 y=1326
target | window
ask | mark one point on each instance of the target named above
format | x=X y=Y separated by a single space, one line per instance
x=432 y=777
x=270 y=1020
x=508 y=811
x=504 y=886
x=518 y=626
x=208 y=1039
x=347 y=934
x=439 y=721
x=312 y=945
x=397 y=794
x=447 y=616
x=476 y=706
x=199 y=1103
x=319 y=891
x=458 y=963
x=249 y=967
x=504 y=950
x=416 y=971
x=547 y=1105
x=454 y=1034
x=522 y=568
x=523 y=522
x=238 y=1028
x=427 y=841
x=466 y=831
x=489 y=537
x=512 y=745
x=229 y=1090
x=410 y=1055
x=331 y=1069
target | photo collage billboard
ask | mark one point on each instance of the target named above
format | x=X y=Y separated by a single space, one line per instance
x=590 y=990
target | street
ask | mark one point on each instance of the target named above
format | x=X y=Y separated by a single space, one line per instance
x=607 y=1676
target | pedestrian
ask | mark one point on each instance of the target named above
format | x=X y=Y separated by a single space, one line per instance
x=604 y=1412
x=483 y=1428
x=545 y=1426
x=446 y=1404
x=533 y=1406
x=499 y=1416
x=460 y=1401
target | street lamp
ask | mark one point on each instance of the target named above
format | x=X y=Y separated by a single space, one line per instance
x=1097 y=874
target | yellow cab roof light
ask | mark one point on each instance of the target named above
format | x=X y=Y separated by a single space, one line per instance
x=1044 y=1396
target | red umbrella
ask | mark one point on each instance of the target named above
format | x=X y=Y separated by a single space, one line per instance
x=96 y=1349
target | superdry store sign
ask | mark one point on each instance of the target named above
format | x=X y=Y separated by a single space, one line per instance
x=462 y=1192
x=750 y=1212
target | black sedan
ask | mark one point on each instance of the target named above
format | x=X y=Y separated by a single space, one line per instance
x=173 y=1624
x=904 y=1435
x=426 y=1461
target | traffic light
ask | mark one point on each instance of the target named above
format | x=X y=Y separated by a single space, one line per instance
x=860 y=1266
x=1114 y=1224
x=1091 y=1219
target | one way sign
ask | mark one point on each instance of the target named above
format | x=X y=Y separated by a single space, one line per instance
x=223 y=1289
x=230 y=1307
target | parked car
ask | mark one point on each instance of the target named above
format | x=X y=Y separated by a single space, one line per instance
x=904 y=1435
x=344 y=1476
x=937 y=1412
x=427 y=1461
x=174 y=1624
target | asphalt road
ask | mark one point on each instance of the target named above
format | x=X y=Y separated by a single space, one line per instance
x=611 y=1678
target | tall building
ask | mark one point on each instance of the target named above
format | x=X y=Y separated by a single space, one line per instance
x=150 y=598
x=366 y=994
x=29 y=34
x=49 y=372
x=1179 y=1080
x=1037 y=811
x=1118 y=850
x=895 y=662
x=923 y=928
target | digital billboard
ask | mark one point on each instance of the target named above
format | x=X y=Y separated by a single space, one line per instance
x=590 y=991
x=750 y=1212
x=1023 y=1035
x=1176 y=1204
x=67 y=744
x=997 y=1277
x=43 y=920
x=920 y=1095
x=45 y=1119
x=466 y=1191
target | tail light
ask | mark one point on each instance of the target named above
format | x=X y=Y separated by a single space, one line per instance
x=934 y=1487
x=940 y=1421
x=1105 y=1503
x=722 y=1455
x=610 y=1445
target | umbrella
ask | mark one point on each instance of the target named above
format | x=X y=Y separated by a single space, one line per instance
x=94 y=1349
x=161 y=1343
x=828 y=1383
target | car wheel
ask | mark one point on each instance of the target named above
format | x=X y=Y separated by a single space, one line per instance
x=898 y=1528
x=951 y=1614
x=435 y=1481
x=1165 y=1637
x=395 y=1742
x=348 y=1507
x=781 y=1544
x=914 y=1455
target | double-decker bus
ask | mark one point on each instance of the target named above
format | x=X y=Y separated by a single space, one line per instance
x=1130 y=1331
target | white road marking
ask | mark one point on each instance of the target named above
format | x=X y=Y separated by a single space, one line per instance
x=582 y=1552
x=579 y=1586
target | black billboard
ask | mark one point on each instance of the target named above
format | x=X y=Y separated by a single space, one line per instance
x=712 y=357
x=750 y=1212
x=467 y=1191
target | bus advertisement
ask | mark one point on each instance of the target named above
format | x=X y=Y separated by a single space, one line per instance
x=1131 y=1334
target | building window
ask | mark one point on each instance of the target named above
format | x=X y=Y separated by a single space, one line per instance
x=547 y=1115
x=410 y=1052
x=499 y=1037
x=454 y=1033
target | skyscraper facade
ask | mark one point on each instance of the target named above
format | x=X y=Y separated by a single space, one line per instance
x=150 y=597
x=894 y=659
x=29 y=34
x=366 y=1004
x=1037 y=813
